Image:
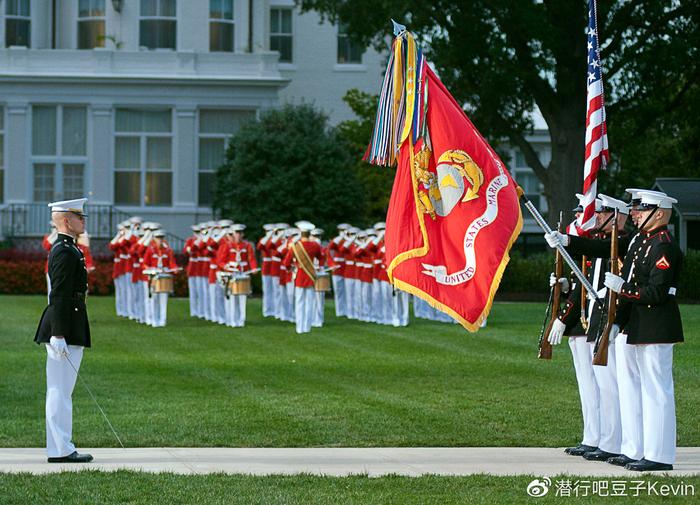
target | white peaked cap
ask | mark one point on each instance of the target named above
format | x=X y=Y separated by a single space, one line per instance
x=381 y=225
x=159 y=233
x=598 y=203
x=371 y=231
x=657 y=198
x=343 y=226
x=149 y=225
x=238 y=227
x=288 y=232
x=613 y=203
x=75 y=206
x=269 y=226
x=634 y=192
x=352 y=229
x=135 y=220
x=224 y=223
x=281 y=226
x=196 y=227
x=317 y=231
x=304 y=225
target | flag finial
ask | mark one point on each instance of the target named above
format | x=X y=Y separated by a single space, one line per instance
x=398 y=28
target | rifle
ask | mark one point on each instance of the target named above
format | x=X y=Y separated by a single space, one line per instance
x=545 y=351
x=600 y=354
x=584 y=297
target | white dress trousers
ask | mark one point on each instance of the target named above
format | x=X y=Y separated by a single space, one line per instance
x=582 y=353
x=610 y=425
x=655 y=364
x=60 y=381
x=268 y=295
x=629 y=386
x=304 y=302
x=339 y=295
x=319 y=307
x=399 y=308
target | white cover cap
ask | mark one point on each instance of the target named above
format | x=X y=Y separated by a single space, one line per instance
x=381 y=225
x=159 y=233
x=305 y=225
x=317 y=232
x=610 y=203
x=343 y=226
x=656 y=199
x=224 y=223
x=237 y=227
x=75 y=206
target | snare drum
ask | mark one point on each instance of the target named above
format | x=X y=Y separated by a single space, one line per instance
x=323 y=283
x=240 y=285
x=163 y=283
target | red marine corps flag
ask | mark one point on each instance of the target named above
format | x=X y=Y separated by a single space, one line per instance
x=454 y=211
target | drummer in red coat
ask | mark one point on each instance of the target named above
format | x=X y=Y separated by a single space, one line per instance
x=237 y=257
x=302 y=254
x=159 y=257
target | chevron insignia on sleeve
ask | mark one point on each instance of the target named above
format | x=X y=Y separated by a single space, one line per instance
x=662 y=263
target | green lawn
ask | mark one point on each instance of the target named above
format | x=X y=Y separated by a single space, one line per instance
x=195 y=383
x=142 y=488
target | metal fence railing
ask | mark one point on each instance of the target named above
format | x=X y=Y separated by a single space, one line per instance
x=32 y=220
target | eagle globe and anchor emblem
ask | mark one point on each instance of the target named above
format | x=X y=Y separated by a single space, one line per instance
x=440 y=192
x=457 y=179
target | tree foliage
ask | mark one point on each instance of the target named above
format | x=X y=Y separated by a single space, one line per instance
x=376 y=181
x=286 y=166
x=503 y=57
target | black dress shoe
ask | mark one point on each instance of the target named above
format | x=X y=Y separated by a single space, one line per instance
x=72 y=458
x=644 y=465
x=579 y=450
x=621 y=460
x=599 y=455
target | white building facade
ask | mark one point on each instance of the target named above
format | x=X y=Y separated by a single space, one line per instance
x=132 y=102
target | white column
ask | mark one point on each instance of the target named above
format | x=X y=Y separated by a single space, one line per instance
x=185 y=161
x=18 y=171
x=101 y=176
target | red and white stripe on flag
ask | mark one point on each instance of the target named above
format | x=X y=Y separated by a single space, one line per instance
x=597 y=154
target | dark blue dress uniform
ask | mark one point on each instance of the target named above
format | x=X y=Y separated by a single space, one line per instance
x=647 y=308
x=66 y=314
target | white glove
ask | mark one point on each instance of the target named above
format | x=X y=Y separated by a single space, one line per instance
x=613 y=282
x=562 y=280
x=556 y=332
x=554 y=238
x=59 y=345
x=614 y=330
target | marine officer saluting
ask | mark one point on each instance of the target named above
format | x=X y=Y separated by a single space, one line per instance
x=64 y=329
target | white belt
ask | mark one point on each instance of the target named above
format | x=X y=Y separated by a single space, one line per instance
x=266 y=259
x=348 y=262
x=339 y=260
x=275 y=258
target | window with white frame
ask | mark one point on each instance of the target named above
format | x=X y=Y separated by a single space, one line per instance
x=281 y=33
x=158 y=24
x=349 y=51
x=18 y=23
x=91 y=24
x=143 y=172
x=526 y=179
x=58 y=152
x=216 y=127
x=221 y=26
x=2 y=155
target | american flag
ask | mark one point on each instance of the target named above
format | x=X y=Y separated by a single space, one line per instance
x=597 y=154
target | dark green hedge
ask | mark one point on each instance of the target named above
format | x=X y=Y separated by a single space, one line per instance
x=531 y=275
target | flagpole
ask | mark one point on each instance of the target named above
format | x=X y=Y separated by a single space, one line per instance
x=564 y=253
